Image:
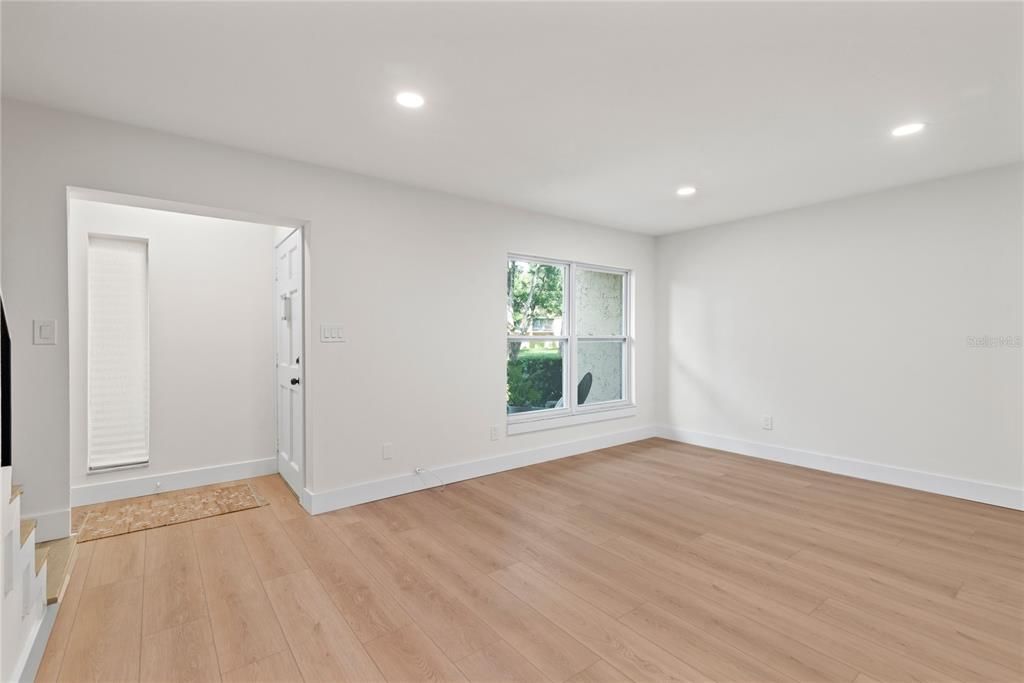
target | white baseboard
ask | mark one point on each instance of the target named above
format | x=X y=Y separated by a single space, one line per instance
x=26 y=670
x=407 y=483
x=101 y=492
x=979 y=491
x=50 y=525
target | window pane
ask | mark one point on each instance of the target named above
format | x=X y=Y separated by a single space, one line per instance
x=600 y=371
x=535 y=297
x=599 y=304
x=534 y=376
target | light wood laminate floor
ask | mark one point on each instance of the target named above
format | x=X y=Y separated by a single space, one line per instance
x=650 y=561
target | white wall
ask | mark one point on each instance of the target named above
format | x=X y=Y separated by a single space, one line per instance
x=394 y=265
x=211 y=288
x=848 y=323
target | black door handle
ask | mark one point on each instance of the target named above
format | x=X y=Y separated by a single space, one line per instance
x=295 y=380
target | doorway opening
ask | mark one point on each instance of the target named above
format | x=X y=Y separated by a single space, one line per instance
x=187 y=347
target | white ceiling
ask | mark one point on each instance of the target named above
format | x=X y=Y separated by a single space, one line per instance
x=590 y=111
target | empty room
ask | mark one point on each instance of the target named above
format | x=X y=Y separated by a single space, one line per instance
x=561 y=342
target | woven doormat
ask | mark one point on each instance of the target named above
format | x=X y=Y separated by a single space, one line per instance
x=163 y=509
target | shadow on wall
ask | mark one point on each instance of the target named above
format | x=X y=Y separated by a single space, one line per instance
x=687 y=308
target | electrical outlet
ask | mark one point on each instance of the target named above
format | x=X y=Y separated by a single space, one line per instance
x=494 y=433
x=385 y=451
x=767 y=423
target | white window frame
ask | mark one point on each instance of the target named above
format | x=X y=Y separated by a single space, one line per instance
x=570 y=413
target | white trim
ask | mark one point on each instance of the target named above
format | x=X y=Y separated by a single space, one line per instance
x=51 y=525
x=407 y=483
x=25 y=671
x=306 y=500
x=306 y=226
x=595 y=414
x=569 y=342
x=170 y=481
x=142 y=202
x=968 y=489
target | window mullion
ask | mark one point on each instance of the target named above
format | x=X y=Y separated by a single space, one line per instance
x=571 y=345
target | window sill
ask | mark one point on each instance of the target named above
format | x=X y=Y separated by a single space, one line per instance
x=524 y=426
x=116 y=468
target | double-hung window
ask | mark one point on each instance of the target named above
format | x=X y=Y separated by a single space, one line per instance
x=569 y=345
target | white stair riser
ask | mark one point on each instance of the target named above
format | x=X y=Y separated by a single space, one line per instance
x=22 y=590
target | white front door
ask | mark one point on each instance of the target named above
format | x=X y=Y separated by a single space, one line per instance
x=288 y=295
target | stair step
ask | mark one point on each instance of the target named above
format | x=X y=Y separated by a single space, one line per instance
x=16 y=490
x=27 y=527
x=60 y=562
x=41 y=554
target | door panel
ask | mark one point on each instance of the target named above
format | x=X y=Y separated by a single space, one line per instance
x=288 y=299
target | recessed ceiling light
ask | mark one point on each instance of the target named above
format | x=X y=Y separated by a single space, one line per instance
x=907 y=129
x=686 y=191
x=410 y=100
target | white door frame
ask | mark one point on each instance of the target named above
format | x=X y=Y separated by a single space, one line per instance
x=95 y=195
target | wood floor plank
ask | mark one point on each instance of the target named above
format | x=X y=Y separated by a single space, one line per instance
x=107 y=635
x=407 y=655
x=117 y=558
x=527 y=538
x=588 y=527
x=637 y=657
x=226 y=568
x=168 y=547
x=550 y=649
x=367 y=606
x=772 y=647
x=281 y=498
x=993 y=594
x=884 y=597
x=449 y=623
x=245 y=628
x=389 y=515
x=268 y=544
x=499 y=661
x=324 y=646
x=716 y=659
x=439 y=520
x=949 y=655
x=173 y=591
x=277 y=668
x=856 y=652
x=599 y=672
x=181 y=654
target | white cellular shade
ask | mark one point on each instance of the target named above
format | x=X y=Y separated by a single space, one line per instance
x=118 y=352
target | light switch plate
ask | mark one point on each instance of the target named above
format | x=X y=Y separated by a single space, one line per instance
x=44 y=332
x=332 y=334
